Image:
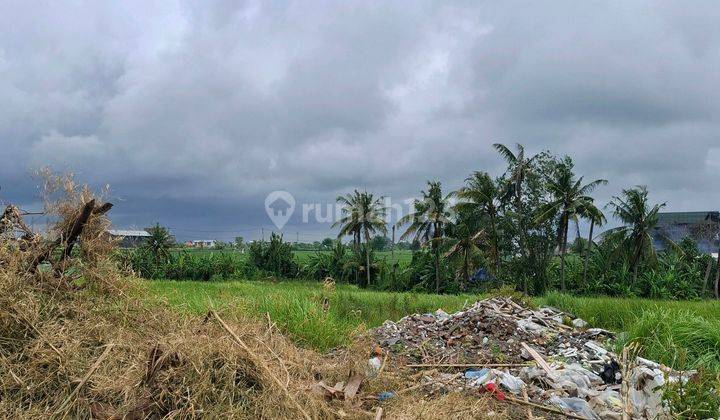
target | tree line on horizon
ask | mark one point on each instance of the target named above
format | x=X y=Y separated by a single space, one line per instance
x=515 y=227
x=506 y=230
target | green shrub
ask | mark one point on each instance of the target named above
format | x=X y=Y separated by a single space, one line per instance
x=186 y=265
x=696 y=399
x=274 y=256
x=324 y=264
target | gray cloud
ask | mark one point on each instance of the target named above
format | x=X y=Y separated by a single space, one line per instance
x=194 y=111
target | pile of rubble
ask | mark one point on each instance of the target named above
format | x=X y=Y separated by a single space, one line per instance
x=545 y=359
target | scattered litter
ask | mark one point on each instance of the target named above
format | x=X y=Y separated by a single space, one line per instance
x=510 y=382
x=352 y=386
x=574 y=405
x=385 y=395
x=480 y=378
x=494 y=390
x=475 y=374
x=441 y=315
x=374 y=364
x=644 y=395
x=611 y=373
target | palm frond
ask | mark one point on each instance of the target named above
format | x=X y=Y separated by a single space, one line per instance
x=506 y=153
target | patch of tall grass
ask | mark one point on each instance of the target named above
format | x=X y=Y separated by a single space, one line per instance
x=297 y=306
x=682 y=334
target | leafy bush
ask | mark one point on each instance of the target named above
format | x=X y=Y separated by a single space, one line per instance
x=573 y=272
x=274 y=256
x=677 y=273
x=323 y=264
x=419 y=276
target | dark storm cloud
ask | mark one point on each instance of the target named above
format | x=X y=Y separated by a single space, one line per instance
x=194 y=111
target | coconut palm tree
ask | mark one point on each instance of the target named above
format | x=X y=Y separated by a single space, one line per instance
x=481 y=195
x=363 y=216
x=570 y=201
x=372 y=220
x=427 y=222
x=519 y=166
x=159 y=242
x=349 y=221
x=464 y=246
x=596 y=217
x=639 y=219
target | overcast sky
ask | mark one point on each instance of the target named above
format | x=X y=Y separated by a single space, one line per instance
x=194 y=111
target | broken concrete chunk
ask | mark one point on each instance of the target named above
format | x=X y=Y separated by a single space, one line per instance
x=596 y=347
x=646 y=392
x=579 y=323
x=441 y=315
x=528 y=325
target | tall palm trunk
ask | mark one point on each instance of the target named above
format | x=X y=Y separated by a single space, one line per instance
x=437 y=233
x=496 y=246
x=466 y=270
x=708 y=270
x=587 y=251
x=356 y=245
x=636 y=261
x=437 y=269
x=562 y=253
x=367 y=257
x=523 y=234
x=717 y=278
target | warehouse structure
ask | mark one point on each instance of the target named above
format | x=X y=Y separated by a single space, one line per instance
x=702 y=226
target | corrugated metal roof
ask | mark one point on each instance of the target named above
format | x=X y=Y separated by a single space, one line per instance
x=702 y=226
x=121 y=232
x=689 y=217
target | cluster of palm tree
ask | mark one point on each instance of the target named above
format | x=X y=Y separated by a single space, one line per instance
x=428 y=222
x=570 y=201
x=512 y=224
x=639 y=219
x=363 y=215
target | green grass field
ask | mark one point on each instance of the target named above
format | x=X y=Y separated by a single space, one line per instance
x=297 y=306
x=681 y=334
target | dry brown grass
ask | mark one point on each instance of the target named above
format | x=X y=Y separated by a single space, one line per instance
x=75 y=341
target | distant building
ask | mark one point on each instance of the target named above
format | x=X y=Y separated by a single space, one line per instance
x=128 y=238
x=205 y=243
x=702 y=226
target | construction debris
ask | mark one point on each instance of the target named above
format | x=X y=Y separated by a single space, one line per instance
x=572 y=367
